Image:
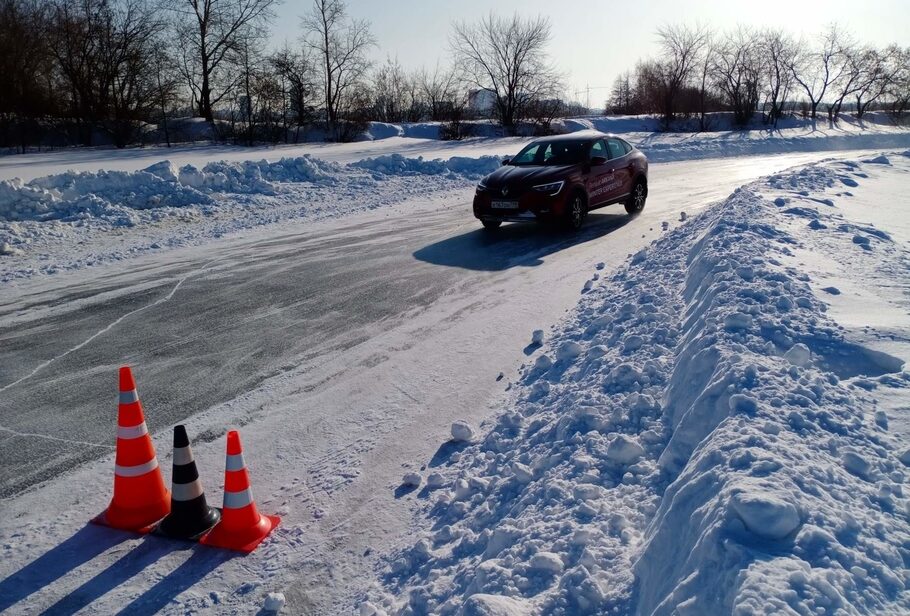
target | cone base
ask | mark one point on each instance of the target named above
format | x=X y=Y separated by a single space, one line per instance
x=176 y=528
x=140 y=520
x=244 y=540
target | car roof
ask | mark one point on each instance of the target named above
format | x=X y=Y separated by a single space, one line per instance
x=581 y=135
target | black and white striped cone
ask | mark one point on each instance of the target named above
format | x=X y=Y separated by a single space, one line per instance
x=190 y=515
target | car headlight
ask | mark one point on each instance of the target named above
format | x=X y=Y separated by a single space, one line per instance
x=551 y=189
x=481 y=187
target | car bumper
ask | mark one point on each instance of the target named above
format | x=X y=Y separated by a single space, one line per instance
x=529 y=206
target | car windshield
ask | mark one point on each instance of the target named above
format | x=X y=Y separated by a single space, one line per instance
x=556 y=152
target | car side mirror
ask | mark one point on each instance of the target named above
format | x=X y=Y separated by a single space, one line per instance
x=505 y=161
x=598 y=160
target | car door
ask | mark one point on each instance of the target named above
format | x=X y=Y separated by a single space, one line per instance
x=621 y=164
x=600 y=176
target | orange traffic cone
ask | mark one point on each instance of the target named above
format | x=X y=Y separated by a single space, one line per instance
x=140 y=496
x=242 y=527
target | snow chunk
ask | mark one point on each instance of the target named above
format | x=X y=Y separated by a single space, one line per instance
x=411 y=479
x=905 y=457
x=737 y=321
x=624 y=449
x=543 y=362
x=766 y=515
x=568 y=350
x=522 y=473
x=435 y=480
x=547 y=561
x=274 y=601
x=537 y=336
x=856 y=464
x=493 y=605
x=799 y=355
x=462 y=432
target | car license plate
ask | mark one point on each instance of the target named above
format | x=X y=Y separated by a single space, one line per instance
x=504 y=205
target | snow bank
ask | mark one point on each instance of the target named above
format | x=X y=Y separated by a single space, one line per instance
x=681 y=462
x=396 y=164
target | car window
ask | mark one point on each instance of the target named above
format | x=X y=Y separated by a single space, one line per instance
x=625 y=146
x=563 y=153
x=616 y=149
x=599 y=149
x=526 y=156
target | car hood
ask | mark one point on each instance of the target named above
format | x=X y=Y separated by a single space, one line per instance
x=527 y=175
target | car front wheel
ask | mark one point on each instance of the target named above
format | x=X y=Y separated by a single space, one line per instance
x=636 y=201
x=575 y=213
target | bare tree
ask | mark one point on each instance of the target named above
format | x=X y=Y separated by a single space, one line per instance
x=507 y=57
x=296 y=75
x=879 y=70
x=777 y=51
x=341 y=44
x=620 y=100
x=439 y=90
x=26 y=64
x=899 y=90
x=165 y=87
x=210 y=33
x=680 y=48
x=815 y=70
x=736 y=71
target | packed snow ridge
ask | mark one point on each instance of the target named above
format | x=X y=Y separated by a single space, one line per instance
x=71 y=196
x=699 y=438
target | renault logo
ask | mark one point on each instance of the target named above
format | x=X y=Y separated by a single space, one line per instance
x=505 y=191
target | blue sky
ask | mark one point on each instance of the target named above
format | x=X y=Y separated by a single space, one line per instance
x=595 y=40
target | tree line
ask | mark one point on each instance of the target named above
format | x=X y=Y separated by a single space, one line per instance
x=89 y=72
x=123 y=71
x=749 y=71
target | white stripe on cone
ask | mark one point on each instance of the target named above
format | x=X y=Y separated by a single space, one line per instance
x=234 y=462
x=238 y=500
x=186 y=491
x=182 y=456
x=132 y=432
x=136 y=471
x=128 y=397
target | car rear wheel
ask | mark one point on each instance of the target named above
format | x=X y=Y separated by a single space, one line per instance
x=575 y=212
x=491 y=224
x=636 y=201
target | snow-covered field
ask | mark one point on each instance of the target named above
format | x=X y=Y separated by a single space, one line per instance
x=721 y=422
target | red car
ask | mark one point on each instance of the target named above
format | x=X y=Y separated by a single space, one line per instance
x=562 y=178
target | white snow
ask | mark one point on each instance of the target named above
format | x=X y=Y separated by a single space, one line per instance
x=716 y=447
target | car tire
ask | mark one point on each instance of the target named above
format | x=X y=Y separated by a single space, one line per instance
x=635 y=203
x=576 y=212
x=491 y=224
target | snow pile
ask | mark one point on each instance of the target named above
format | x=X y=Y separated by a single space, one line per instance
x=396 y=164
x=260 y=176
x=699 y=439
x=74 y=196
